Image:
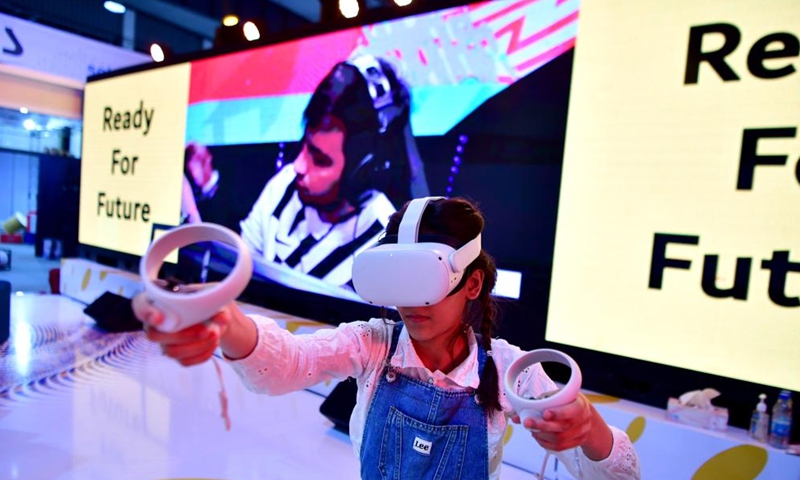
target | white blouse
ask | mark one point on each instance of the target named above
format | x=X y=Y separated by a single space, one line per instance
x=283 y=362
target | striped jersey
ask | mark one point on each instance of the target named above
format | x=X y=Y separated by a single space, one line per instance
x=280 y=228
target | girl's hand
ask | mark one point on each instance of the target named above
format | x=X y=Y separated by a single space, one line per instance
x=190 y=346
x=576 y=424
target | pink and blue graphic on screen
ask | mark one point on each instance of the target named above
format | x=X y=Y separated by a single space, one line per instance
x=453 y=61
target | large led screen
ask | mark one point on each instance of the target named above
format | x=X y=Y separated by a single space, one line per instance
x=306 y=147
x=678 y=240
x=637 y=162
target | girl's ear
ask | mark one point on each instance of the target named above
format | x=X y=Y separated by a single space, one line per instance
x=474 y=284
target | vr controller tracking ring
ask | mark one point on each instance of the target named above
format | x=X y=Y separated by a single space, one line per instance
x=182 y=310
x=534 y=408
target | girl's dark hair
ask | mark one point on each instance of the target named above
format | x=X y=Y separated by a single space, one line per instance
x=462 y=220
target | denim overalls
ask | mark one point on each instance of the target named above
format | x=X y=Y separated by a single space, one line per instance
x=416 y=431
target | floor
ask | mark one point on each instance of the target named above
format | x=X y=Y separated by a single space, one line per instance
x=79 y=403
x=28 y=273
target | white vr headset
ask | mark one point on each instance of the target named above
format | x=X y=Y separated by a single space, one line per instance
x=184 y=309
x=410 y=273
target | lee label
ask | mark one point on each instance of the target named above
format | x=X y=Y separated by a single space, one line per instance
x=422 y=446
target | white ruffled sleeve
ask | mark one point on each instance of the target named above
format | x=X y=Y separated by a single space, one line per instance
x=621 y=464
x=283 y=362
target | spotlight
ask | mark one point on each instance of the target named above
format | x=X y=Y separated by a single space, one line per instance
x=230 y=20
x=238 y=36
x=349 y=8
x=251 y=31
x=402 y=3
x=114 y=7
x=340 y=12
x=157 y=53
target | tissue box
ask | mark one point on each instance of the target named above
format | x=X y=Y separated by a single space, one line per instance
x=714 y=419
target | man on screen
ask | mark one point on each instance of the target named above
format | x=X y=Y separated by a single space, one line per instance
x=333 y=201
x=200 y=183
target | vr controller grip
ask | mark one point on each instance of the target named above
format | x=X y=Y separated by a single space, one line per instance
x=184 y=306
x=534 y=408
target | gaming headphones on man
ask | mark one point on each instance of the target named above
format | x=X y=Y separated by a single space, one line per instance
x=411 y=273
x=361 y=176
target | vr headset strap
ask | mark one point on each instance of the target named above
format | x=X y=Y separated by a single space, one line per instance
x=409 y=226
x=461 y=258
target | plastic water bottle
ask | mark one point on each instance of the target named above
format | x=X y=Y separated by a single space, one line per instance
x=781 y=426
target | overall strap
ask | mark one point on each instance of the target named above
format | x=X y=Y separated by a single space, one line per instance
x=398 y=327
x=481 y=354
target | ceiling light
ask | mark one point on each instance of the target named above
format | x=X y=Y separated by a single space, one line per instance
x=402 y=3
x=29 y=124
x=349 y=8
x=251 y=31
x=23 y=110
x=156 y=52
x=230 y=20
x=114 y=7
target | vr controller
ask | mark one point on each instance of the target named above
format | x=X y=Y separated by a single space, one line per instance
x=535 y=407
x=183 y=308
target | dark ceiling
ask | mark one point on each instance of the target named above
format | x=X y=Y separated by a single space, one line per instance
x=184 y=25
x=187 y=26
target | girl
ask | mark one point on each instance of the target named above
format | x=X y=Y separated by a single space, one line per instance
x=429 y=388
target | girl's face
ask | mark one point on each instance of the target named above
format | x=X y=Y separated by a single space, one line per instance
x=442 y=321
